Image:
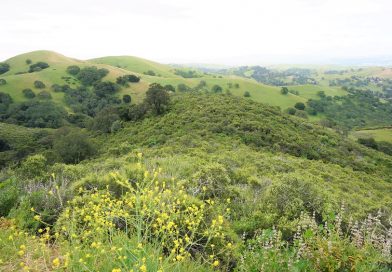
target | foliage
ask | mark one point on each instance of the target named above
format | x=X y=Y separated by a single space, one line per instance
x=246 y=94
x=36 y=67
x=36 y=113
x=4 y=67
x=157 y=98
x=3 y=81
x=123 y=80
x=90 y=75
x=28 y=93
x=183 y=87
x=284 y=90
x=74 y=147
x=126 y=98
x=104 y=120
x=39 y=84
x=5 y=102
x=299 y=106
x=324 y=247
x=73 y=70
x=44 y=95
x=34 y=167
x=216 y=89
x=186 y=73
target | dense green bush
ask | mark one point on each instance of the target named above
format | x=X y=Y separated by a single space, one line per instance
x=5 y=102
x=44 y=95
x=36 y=67
x=73 y=70
x=183 y=87
x=2 y=81
x=104 y=120
x=123 y=80
x=284 y=90
x=90 y=75
x=126 y=98
x=299 y=106
x=216 y=89
x=4 y=67
x=8 y=196
x=74 y=147
x=28 y=93
x=39 y=84
x=105 y=89
x=157 y=98
x=36 y=113
x=34 y=168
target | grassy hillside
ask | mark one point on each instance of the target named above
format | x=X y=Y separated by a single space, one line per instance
x=53 y=75
x=380 y=135
x=164 y=74
x=136 y=65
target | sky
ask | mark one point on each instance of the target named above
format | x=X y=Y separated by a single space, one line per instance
x=201 y=31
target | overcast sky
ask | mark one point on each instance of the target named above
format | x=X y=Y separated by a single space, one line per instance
x=200 y=31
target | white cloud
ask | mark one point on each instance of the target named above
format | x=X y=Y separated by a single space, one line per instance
x=224 y=31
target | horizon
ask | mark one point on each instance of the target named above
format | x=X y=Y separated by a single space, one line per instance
x=302 y=32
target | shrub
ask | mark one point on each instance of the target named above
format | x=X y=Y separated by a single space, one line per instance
x=33 y=168
x=103 y=121
x=73 y=70
x=4 y=67
x=104 y=89
x=369 y=142
x=301 y=114
x=74 y=147
x=169 y=88
x=2 y=81
x=284 y=90
x=89 y=75
x=150 y=73
x=8 y=196
x=183 y=87
x=126 y=98
x=36 y=67
x=211 y=181
x=39 y=84
x=116 y=126
x=291 y=111
x=44 y=95
x=299 y=106
x=28 y=61
x=123 y=80
x=217 y=89
x=28 y=93
x=153 y=210
x=157 y=98
x=246 y=94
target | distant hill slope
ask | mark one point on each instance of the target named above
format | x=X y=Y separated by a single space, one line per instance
x=55 y=74
x=18 y=79
x=137 y=65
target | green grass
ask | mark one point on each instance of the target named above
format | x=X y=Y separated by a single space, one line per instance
x=310 y=91
x=137 y=65
x=382 y=134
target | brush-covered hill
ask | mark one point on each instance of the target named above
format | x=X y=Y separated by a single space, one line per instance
x=211 y=182
x=187 y=172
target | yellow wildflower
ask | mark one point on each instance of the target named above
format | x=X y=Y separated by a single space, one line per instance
x=56 y=262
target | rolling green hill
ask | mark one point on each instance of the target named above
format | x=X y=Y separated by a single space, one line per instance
x=17 y=79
